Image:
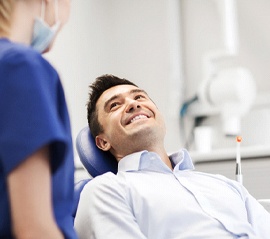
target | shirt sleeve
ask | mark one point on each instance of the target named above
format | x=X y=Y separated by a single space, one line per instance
x=258 y=217
x=29 y=111
x=104 y=212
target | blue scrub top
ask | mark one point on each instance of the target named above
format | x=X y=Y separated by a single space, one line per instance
x=33 y=113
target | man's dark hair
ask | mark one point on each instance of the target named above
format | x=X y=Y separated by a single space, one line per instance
x=100 y=85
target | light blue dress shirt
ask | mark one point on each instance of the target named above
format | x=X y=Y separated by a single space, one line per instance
x=146 y=199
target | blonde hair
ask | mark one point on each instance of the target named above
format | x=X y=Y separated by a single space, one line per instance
x=5 y=15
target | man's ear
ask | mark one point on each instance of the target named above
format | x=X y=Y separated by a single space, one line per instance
x=102 y=143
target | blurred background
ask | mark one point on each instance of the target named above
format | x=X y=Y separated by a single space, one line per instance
x=204 y=62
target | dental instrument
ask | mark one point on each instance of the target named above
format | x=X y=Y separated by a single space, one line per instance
x=239 y=176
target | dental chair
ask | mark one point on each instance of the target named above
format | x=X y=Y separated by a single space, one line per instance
x=94 y=160
x=97 y=162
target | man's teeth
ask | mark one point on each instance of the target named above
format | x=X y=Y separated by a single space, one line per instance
x=138 y=117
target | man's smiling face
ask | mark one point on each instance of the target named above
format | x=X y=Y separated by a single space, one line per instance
x=130 y=120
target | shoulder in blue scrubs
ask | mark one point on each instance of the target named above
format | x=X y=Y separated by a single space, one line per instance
x=33 y=113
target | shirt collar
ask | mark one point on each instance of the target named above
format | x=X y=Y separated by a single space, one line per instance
x=151 y=161
x=182 y=160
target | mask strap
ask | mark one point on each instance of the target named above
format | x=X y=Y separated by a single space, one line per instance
x=56 y=11
x=42 y=10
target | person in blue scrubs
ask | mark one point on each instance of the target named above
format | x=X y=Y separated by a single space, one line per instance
x=36 y=155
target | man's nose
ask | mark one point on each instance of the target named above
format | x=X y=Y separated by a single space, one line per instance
x=132 y=105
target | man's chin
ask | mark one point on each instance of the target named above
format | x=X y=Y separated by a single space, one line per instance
x=142 y=133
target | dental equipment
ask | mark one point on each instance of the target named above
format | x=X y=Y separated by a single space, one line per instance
x=238 y=173
x=228 y=91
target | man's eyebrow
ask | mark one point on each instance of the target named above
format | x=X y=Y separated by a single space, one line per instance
x=118 y=95
x=138 y=91
x=110 y=100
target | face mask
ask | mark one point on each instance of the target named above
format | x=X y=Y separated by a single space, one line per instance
x=43 y=34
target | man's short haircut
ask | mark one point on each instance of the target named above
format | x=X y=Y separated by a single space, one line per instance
x=100 y=85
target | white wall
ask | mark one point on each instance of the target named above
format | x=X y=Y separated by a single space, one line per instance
x=138 y=40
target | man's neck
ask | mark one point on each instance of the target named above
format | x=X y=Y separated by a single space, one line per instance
x=158 y=150
x=165 y=158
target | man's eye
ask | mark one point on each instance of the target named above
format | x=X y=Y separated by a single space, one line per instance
x=137 y=97
x=114 y=104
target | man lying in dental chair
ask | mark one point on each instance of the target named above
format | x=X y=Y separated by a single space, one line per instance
x=154 y=195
